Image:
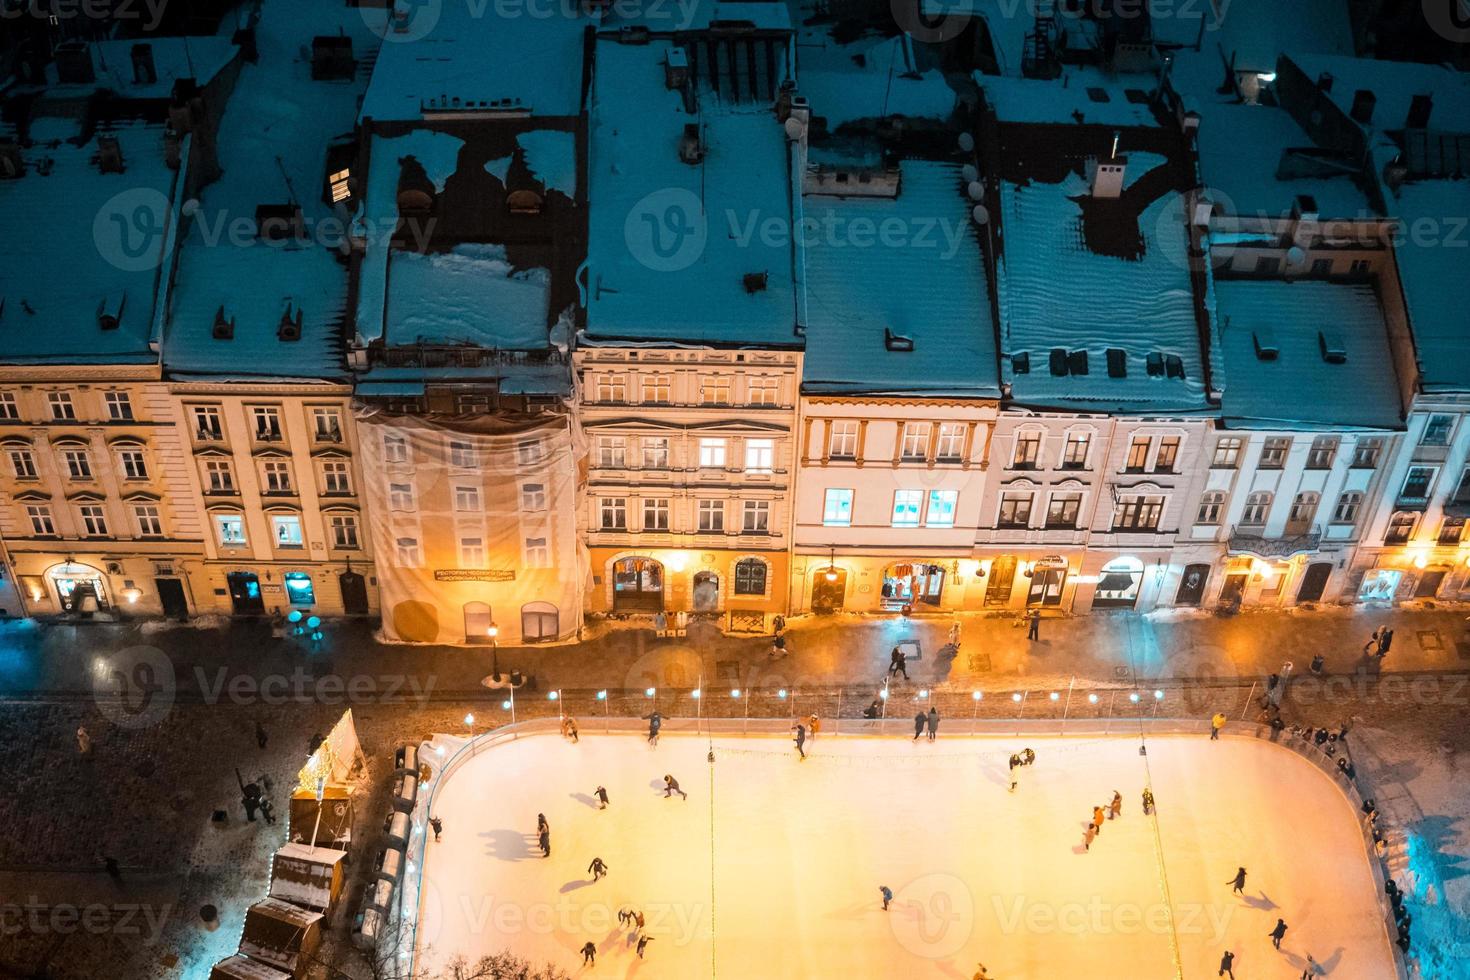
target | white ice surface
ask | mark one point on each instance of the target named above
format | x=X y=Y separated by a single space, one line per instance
x=799 y=850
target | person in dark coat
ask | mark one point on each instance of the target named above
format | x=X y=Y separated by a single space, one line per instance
x=260 y=736
x=1033 y=627
x=887 y=894
x=1014 y=765
x=1237 y=884
x=589 y=953
x=1278 y=933
x=655 y=721
x=671 y=786
x=898 y=664
x=601 y=794
x=544 y=839
x=643 y=942
x=541 y=825
x=801 y=740
x=438 y=826
x=1385 y=640
x=933 y=722
x=873 y=710
x=920 y=720
x=1227 y=964
x=597 y=869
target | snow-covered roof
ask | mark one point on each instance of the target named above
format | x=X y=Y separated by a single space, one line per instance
x=242 y=968
x=1254 y=32
x=922 y=280
x=469 y=295
x=1300 y=321
x=1007 y=21
x=272 y=144
x=698 y=15
x=702 y=252
x=1394 y=85
x=457 y=56
x=81 y=243
x=1080 y=96
x=199 y=57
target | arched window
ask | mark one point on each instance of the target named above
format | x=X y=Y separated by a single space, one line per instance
x=539 y=621
x=750 y=577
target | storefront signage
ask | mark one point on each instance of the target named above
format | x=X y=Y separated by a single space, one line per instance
x=474 y=575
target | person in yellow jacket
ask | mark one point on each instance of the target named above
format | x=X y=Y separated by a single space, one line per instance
x=1216 y=723
x=981 y=973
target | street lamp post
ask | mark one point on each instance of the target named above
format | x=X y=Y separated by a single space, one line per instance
x=493 y=631
x=606 y=711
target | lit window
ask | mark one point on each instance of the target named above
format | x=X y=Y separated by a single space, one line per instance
x=837 y=508
x=286 y=528
x=760 y=455
x=712 y=453
x=1028 y=450
x=1015 y=510
x=341 y=185
x=714 y=391
x=941 y=508
x=656 y=388
x=1138 y=513
x=612 y=388
x=1074 y=451
x=1062 y=510
x=906 y=504
x=1138 y=454
x=298 y=589
x=764 y=391
x=1167 y=454
x=230 y=529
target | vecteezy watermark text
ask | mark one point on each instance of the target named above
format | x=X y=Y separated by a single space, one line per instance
x=54 y=11
x=37 y=918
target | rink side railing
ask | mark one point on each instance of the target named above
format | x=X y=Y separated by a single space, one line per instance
x=1142 y=726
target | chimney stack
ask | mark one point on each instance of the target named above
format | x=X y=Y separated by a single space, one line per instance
x=109 y=155
x=1108 y=177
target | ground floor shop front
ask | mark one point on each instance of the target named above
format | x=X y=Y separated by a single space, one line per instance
x=745 y=587
x=277 y=588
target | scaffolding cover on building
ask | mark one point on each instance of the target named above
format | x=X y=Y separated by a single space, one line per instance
x=474 y=522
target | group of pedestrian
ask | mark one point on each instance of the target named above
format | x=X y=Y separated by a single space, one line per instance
x=926 y=723
x=898 y=663
x=804 y=730
x=1379 y=643
x=1111 y=810
x=569 y=729
x=1401 y=915
x=1025 y=757
x=630 y=918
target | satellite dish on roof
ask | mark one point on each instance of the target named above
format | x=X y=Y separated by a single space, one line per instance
x=969 y=173
x=795 y=128
x=976 y=190
x=1296 y=255
x=980 y=215
x=967 y=142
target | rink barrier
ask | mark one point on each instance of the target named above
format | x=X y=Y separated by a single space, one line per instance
x=1143 y=727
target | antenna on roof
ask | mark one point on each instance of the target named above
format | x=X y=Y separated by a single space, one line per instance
x=287 y=178
x=189 y=58
x=1116 y=137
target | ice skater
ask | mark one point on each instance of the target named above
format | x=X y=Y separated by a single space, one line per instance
x=655 y=722
x=1278 y=933
x=1148 y=801
x=1015 y=765
x=887 y=894
x=1115 y=808
x=1088 y=836
x=601 y=794
x=1027 y=756
x=1216 y=723
x=801 y=740
x=544 y=839
x=933 y=722
x=1227 y=965
x=1097 y=818
x=898 y=664
x=920 y=720
x=872 y=711
x=542 y=826
x=438 y=826
x=625 y=917
x=643 y=942
x=569 y=729
x=813 y=725
x=589 y=953
x=1311 y=969
x=597 y=869
x=671 y=786
x=1237 y=884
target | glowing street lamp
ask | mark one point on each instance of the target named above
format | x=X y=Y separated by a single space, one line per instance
x=493 y=631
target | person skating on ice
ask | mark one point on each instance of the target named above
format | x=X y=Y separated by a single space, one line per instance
x=544 y=839
x=671 y=786
x=801 y=740
x=933 y=722
x=1015 y=768
x=1115 y=808
x=1097 y=818
x=872 y=711
x=655 y=722
x=589 y=953
x=813 y=725
x=643 y=942
x=1088 y=836
x=601 y=794
x=1148 y=801
x=898 y=664
x=597 y=869
x=1237 y=884
x=438 y=826
x=541 y=825
x=920 y=720
x=1027 y=756
x=1278 y=933
x=887 y=894
x=1227 y=965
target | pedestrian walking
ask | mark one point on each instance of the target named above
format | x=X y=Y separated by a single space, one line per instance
x=569 y=729
x=1217 y=723
x=1115 y=808
x=655 y=722
x=544 y=839
x=1278 y=933
x=643 y=942
x=1227 y=965
x=1088 y=836
x=1148 y=801
x=1097 y=818
x=251 y=804
x=801 y=740
x=601 y=794
x=1033 y=628
x=1237 y=884
x=268 y=811
x=260 y=736
x=920 y=720
x=778 y=647
x=589 y=953
x=438 y=826
x=954 y=636
x=671 y=786
x=1385 y=641
x=597 y=869
x=84 y=741
x=887 y=894
x=898 y=663
x=980 y=972
x=933 y=722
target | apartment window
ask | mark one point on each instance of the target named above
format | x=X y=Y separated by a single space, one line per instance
x=219 y=477
x=656 y=389
x=119 y=406
x=951 y=444
x=711 y=516
x=267 y=423
x=277 y=476
x=614 y=514
x=1347 y=508
x=8 y=408
x=1273 y=453
x=78 y=464
x=286 y=528
x=326 y=424
x=1462 y=492
x=1074 y=450
x=537 y=554
x=336 y=478
x=1366 y=452
x=1451 y=530
x=756 y=518
x=1028 y=450
x=1167 y=455
x=409 y=554
x=763 y=391
x=1211 y=503
x=41 y=522
x=94 y=521
x=533 y=496
x=134 y=464
x=941 y=510
x=1267 y=265
x=1015 y=510
x=466 y=498
x=1138 y=514
x=712 y=454
x=471 y=552
x=462 y=455
x=1227 y=453
x=1062 y=510
x=230 y=530
x=1416 y=484
x=344 y=531
x=760 y=455
x=150 y=525
x=1321 y=268
x=612 y=388
x=1437 y=430
x=400 y=496
x=915 y=441
x=395 y=449
x=656 y=514
x=207 y=423
x=837 y=507
x=62 y=408
x=1138 y=454
x=843 y=440
x=750 y=577
x=1257 y=506
x=1322 y=453
x=1401 y=527
x=612 y=452
x=1360 y=267
x=23 y=463
x=1303 y=508
x=655 y=454
x=714 y=391
x=529 y=452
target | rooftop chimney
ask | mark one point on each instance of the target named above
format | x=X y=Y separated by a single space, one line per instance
x=74 y=63
x=691 y=147
x=109 y=155
x=223 y=329
x=1107 y=177
x=289 y=328
x=1420 y=108
x=144 y=72
x=676 y=69
x=110 y=311
x=1363 y=103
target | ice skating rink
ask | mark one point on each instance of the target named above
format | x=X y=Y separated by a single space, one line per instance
x=772 y=867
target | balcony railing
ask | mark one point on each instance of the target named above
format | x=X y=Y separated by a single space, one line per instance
x=1253 y=540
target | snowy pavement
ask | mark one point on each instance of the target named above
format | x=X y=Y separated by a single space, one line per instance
x=772 y=867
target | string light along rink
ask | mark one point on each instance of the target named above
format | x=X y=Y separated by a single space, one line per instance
x=772 y=867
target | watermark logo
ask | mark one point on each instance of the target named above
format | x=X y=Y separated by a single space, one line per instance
x=135 y=687
x=406 y=21
x=129 y=230
x=933 y=916
x=1450 y=19
x=113 y=11
x=666 y=231
x=944 y=20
